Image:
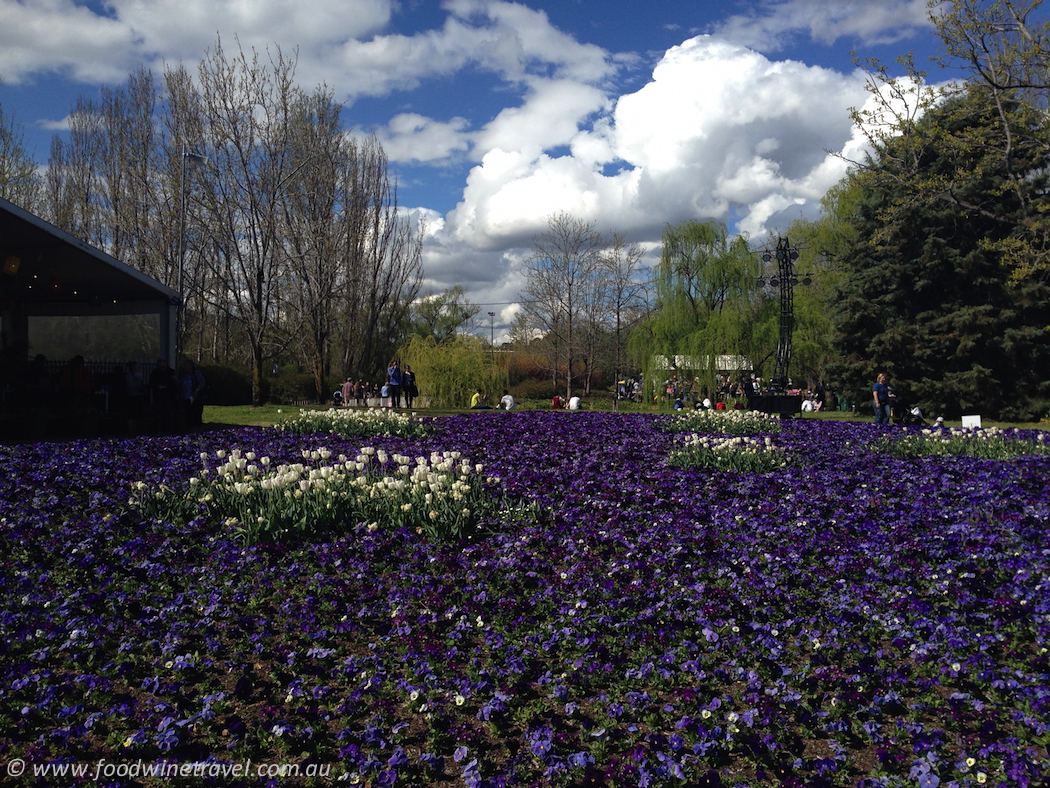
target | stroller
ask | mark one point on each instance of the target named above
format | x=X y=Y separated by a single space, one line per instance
x=909 y=417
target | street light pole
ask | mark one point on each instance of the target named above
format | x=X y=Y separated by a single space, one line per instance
x=492 y=338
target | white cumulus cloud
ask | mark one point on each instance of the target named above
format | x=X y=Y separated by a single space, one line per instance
x=769 y=24
x=410 y=137
x=719 y=131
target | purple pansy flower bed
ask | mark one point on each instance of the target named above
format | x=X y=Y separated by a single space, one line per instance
x=851 y=619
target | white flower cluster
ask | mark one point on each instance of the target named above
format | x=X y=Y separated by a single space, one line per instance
x=740 y=444
x=728 y=452
x=991 y=443
x=441 y=495
x=352 y=422
x=980 y=433
x=735 y=422
x=371 y=473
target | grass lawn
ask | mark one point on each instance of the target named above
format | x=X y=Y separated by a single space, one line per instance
x=269 y=415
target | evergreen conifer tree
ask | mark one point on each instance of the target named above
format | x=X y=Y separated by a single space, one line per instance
x=926 y=296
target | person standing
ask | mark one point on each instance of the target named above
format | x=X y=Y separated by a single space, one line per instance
x=880 y=399
x=192 y=385
x=393 y=374
x=136 y=393
x=163 y=387
x=408 y=383
x=75 y=383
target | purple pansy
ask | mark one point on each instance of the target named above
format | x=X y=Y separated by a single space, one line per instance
x=647 y=623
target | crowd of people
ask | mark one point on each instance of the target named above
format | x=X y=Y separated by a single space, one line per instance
x=732 y=392
x=399 y=389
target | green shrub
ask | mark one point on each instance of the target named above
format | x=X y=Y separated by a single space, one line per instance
x=226 y=385
x=533 y=388
x=289 y=388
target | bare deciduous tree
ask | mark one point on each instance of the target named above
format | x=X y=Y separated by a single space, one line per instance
x=19 y=182
x=248 y=113
x=281 y=230
x=310 y=214
x=627 y=288
x=559 y=281
x=127 y=159
x=102 y=183
x=382 y=265
x=72 y=189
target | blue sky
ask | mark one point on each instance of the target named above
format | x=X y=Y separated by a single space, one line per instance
x=497 y=114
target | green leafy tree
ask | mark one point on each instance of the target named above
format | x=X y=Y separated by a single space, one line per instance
x=819 y=274
x=448 y=372
x=706 y=302
x=1004 y=46
x=925 y=294
x=443 y=315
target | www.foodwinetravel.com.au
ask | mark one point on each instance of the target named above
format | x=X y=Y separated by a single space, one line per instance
x=105 y=770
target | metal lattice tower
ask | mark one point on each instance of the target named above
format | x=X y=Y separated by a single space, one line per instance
x=786 y=257
x=785 y=281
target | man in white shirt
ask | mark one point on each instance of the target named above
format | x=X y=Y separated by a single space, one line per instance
x=574 y=403
x=506 y=401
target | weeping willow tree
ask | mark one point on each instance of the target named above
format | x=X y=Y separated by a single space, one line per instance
x=706 y=306
x=448 y=372
x=821 y=244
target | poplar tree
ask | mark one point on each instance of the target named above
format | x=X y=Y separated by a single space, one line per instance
x=280 y=227
x=19 y=182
